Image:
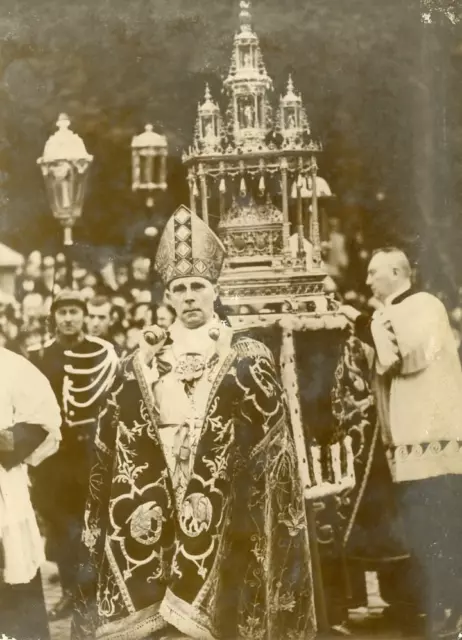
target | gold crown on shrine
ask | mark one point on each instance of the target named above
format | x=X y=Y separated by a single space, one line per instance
x=188 y=248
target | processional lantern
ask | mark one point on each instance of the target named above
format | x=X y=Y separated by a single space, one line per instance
x=65 y=167
x=149 y=163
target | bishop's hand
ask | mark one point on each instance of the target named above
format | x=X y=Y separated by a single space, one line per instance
x=152 y=340
x=221 y=334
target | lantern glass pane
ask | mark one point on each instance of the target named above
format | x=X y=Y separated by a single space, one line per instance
x=136 y=170
x=65 y=182
x=163 y=172
x=148 y=169
x=147 y=155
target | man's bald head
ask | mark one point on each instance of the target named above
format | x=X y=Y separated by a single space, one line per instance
x=389 y=271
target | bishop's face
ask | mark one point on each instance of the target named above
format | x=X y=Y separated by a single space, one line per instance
x=192 y=299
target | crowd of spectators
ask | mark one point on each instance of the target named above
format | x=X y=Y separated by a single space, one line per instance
x=122 y=301
x=119 y=299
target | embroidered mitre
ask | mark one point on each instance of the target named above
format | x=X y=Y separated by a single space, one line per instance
x=188 y=247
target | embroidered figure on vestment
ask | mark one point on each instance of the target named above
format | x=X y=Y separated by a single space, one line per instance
x=196 y=518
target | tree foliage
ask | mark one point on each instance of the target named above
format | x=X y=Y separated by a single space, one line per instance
x=114 y=65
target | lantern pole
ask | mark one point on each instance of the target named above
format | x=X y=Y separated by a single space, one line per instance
x=68 y=242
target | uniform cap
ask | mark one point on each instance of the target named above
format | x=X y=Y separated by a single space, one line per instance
x=68 y=297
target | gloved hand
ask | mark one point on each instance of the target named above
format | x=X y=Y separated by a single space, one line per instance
x=349 y=312
x=152 y=340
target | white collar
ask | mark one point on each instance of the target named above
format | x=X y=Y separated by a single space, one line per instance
x=397 y=293
x=192 y=340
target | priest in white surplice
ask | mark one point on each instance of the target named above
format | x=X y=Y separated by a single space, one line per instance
x=418 y=386
x=29 y=432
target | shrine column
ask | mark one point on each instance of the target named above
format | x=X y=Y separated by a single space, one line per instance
x=192 y=195
x=237 y=122
x=285 y=208
x=300 y=225
x=316 y=238
x=204 y=203
x=256 y=117
x=222 y=189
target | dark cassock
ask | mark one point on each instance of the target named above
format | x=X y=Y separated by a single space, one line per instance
x=81 y=376
x=195 y=522
x=29 y=433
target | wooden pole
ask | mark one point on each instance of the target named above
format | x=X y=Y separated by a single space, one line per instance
x=320 y=604
x=68 y=242
x=302 y=442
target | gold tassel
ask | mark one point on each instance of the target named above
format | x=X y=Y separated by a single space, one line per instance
x=222 y=187
x=195 y=190
x=243 y=189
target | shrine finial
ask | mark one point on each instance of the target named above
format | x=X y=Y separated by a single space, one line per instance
x=290 y=84
x=208 y=95
x=63 y=121
x=244 y=15
x=291 y=96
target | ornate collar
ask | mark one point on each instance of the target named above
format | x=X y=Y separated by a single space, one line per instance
x=190 y=367
x=189 y=352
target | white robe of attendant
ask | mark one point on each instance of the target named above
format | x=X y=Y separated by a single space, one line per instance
x=419 y=387
x=25 y=397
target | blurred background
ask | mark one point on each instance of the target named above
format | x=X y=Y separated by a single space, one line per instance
x=380 y=80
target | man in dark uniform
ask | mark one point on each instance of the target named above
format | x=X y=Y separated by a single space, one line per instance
x=80 y=369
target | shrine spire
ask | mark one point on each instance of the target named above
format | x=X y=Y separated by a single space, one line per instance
x=245 y=17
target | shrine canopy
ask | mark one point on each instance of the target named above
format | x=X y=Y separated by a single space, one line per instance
x=255 y=165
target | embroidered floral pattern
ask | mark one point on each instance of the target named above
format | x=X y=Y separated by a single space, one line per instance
x=243 y=486
x=354 y=412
